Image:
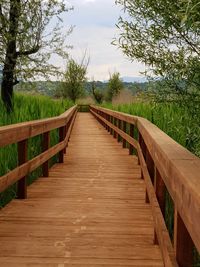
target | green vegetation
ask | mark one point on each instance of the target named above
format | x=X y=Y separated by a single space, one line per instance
x=27 y=108
x=27 y=43
x=174 y=120
x=72 y=86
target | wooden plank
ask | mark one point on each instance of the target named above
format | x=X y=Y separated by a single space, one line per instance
x=89 y=212
x=125 y=136
x=162 y=235
x=17 y=132
x=179 y=169
x=26 y=168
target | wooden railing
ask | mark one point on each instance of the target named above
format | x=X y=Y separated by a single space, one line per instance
x=20 y=133
x=165 y=165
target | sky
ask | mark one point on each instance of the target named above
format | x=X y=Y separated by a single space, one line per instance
x=94 y=30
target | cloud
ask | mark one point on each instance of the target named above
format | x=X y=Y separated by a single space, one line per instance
x=94 y=31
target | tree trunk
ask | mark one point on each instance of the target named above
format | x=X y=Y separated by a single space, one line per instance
x=11 y=56
x=7 y=86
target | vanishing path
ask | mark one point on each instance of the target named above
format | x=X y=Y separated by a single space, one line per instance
x=90 y=211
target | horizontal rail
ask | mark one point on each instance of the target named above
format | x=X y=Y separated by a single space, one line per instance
x=17 y=132
x=20 y=133
x=169 y=165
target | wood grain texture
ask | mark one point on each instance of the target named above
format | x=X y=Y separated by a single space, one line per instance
x=29 y=166
x=90 y=211
x=17 y=132
x=179 y=169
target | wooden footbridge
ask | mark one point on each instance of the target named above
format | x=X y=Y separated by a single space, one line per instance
x=101 y=205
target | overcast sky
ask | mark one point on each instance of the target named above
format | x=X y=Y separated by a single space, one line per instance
x=94 y=30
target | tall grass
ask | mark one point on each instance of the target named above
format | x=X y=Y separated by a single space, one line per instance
x=171 y=118
x=27 y=108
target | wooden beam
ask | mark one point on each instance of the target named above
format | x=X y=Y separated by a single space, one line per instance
x=183 y=243
x=45 y=146
x=22 y=158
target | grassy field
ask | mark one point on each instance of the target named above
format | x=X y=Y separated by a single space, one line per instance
x=172 y=119
x=27 y=108
x=178 y=124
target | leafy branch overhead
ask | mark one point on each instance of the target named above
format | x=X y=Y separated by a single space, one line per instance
x=26 y=44
x=164 y=35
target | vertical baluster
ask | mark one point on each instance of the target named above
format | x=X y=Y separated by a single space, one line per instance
x=160 y=190
x=183 y=243
x=115 y=123
x=124 y=129
x=131 y=133
x=119 y=126
x=45 y=146
x=150 y=165
x=22 y=158
x=61 y=138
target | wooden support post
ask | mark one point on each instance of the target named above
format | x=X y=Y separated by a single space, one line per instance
x=115 y=123
x=119 y=126
x=45 y=146
x=111 y=121
x=108 y=121
x=183 y=243
x=131 y=133
x=124 y=129
x=142 y=145
x=160 y=190
x=65 y=133
x=22 y=158
x=61 y=138
x=150 y=165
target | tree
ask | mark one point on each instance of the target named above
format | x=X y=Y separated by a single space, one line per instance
x=115 y=85
x=25 y=44
x=165 y=36
x=97 y=93
x=74 y=79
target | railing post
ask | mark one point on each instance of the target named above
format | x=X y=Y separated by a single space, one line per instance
x=109 y=121
x=61 y=138
x=45 y=146
x=131 y=133
x=119 y=126
x=150 y=165
x=160 y=189
x=65 y=133
x=183 y=243
x=22 y=158
x=115 y=123
x=124 y=129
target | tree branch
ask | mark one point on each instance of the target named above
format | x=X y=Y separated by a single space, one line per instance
x=28 y=52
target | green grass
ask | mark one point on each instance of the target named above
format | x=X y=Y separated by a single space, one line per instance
x=27 y=108
x=172 y=119
x=178 y=124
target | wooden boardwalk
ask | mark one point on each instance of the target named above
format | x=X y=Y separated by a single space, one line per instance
x=90 y=211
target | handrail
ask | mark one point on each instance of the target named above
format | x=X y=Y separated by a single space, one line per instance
x=165 y=165
x=21 y=132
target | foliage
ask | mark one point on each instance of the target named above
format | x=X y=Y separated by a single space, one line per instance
x=164 y=35
x=26 y=44
x=74 y=80
x=27 y=108
x=115 y=85
x=97 y=93
x=176 y=121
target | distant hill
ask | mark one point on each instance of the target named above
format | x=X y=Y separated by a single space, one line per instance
x=50 y=87
x=134 y=79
